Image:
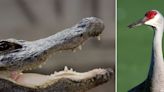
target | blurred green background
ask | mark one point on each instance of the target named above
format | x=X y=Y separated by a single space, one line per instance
x=134 y=45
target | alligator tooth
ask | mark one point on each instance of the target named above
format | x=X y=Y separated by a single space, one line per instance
x=92 y=80
x=71 y=69
x=20 y=73
x=74 y=50
x=51 y=75
x=55 y=72
x=40 y=66
x=65 y=68
x=44 y=63
x=98 y=38
x=80 y=47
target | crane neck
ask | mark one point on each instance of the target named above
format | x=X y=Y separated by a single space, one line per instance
x=156 y=72
x=157 y=45
x=157 y=55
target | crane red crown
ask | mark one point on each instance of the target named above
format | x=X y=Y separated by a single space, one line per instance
x=150 y=14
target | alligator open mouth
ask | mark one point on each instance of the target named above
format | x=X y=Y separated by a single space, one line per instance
x=39 y=81
x=34 y=80
x=67 y=80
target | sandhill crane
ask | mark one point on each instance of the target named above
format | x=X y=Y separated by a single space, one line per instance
x=155 y=78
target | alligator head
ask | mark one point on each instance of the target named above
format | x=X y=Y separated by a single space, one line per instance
x=20 y=55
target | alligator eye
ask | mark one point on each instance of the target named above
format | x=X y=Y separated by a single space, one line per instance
x=82 y=25
x=5 y=45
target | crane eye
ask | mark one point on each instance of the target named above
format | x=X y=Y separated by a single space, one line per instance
x=5 y=45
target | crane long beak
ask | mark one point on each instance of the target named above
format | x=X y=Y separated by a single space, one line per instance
x=138 y=23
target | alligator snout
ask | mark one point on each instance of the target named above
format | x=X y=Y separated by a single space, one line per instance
x=24 y=55
x=94 y=26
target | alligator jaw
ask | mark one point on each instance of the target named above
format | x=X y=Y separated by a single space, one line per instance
x=34 y=80
x=73 y=37
x=26 y=55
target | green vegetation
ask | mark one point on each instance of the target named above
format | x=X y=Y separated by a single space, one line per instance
x=134 y=45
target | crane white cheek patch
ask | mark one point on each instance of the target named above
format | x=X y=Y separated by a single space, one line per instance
x=156 y=21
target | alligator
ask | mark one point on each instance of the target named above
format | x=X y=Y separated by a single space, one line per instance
x=17 y=56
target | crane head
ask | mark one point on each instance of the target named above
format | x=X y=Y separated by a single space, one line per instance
x=152 y=18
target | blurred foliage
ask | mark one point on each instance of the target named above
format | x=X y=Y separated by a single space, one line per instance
x=134 y=45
